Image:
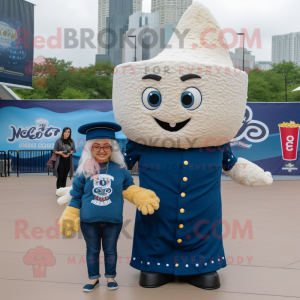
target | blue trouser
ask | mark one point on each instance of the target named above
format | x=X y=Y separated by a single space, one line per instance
x=93 y=233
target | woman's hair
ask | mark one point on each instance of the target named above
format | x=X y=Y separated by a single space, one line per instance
x=88 y=165
x=70 y=137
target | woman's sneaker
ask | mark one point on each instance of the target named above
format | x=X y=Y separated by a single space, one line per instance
x=112 y=285
x=90 y=287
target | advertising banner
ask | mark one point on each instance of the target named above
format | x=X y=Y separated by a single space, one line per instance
x=269 y=137
x=269 y=134
x=36 y=125
x=16 y=42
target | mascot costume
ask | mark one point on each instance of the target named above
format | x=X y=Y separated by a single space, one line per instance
x=180 y=110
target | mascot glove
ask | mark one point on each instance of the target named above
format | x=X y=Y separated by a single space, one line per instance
x=64 y=196
x=247 y=173
x=69 y=221
x=145 y=200
x=63 y=191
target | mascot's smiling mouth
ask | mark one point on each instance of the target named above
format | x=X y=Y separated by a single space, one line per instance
x=171 y=126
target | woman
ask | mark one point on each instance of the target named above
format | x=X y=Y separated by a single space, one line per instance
x=100 y=184
x=64 y=148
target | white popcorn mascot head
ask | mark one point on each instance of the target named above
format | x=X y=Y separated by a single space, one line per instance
x=179 y=111
x=188 y=91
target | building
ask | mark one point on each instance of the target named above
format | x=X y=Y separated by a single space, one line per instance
x=103 y=13
x=116 y=26
x=118 y=7
x=149 y=42
x=286 y=47
x=170 y=11
x=138 y=39
x=153 y=31
x=263 y=65
x=237 y=59
x=137 y=5
x=140 y=26
x=139 y=19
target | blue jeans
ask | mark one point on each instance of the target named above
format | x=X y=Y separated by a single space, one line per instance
x=93 y=233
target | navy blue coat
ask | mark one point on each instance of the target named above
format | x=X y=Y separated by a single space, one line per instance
x=184 y=236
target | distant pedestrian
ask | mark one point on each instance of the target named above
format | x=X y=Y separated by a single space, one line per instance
x=64 y=148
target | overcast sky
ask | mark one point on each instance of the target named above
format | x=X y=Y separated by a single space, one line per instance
x=271 y=17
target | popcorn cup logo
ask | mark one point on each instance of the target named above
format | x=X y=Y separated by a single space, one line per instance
x=39 y=258
x=289 y=135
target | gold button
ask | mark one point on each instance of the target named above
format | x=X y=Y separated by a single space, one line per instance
x=185 y=179
x=179 y=241
x=182 y=195
x=186 y=148
x=186 y=162
x=181 y=226
x=177 y=265
x=182 y=210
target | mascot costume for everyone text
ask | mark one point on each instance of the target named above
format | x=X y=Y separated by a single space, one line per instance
x=180 y=110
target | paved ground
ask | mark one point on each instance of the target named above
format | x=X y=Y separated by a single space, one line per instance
x=263 y=268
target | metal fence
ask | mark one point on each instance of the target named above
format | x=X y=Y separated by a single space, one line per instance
x=3 y=164
x=28 y=161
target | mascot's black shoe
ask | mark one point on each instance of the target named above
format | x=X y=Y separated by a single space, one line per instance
x=207 y=281
x=153 y=280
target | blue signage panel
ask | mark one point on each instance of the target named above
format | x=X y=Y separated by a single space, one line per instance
x=36 y=125
x=262 y=141
x=16 y=41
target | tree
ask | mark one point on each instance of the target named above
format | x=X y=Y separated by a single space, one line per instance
x=293 y=96
x=269 y=86
x=57 y=83
x=96 y=80
x=70 y=93
x=44 y=69
x=258 y=90
x=55 y=76
x=290 y=68
x=59 y=79
x=36 y=94
x=290 y=73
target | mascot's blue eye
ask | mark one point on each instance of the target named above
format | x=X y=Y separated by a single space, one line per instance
x=151 y=98
x=191 y=98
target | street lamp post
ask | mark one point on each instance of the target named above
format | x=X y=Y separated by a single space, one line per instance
x=243 y=49
x=134 y=45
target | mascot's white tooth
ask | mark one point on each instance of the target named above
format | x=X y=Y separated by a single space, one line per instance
x=172 y=124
